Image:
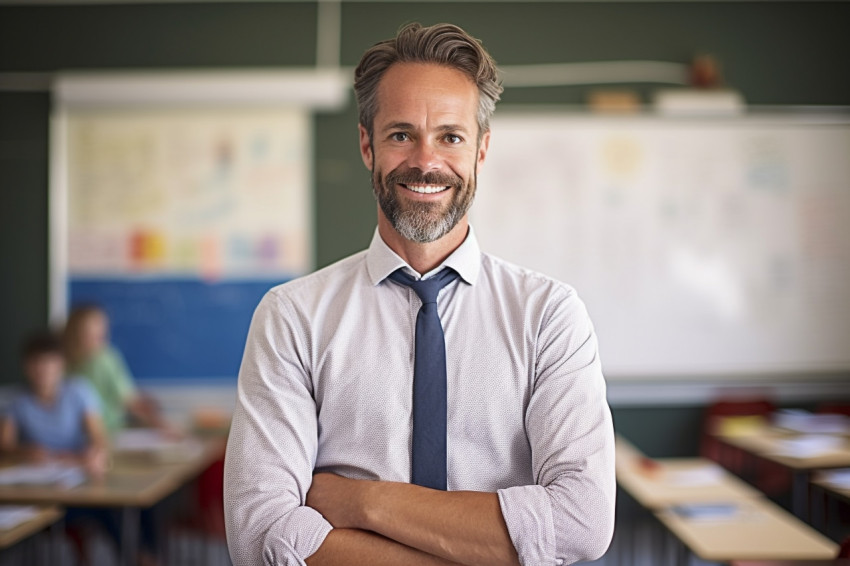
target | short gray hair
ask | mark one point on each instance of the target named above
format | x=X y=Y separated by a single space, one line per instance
x=443 y=44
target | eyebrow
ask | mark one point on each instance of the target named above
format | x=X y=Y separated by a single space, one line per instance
x=409 y=126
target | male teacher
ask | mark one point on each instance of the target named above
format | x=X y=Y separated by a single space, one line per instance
x=421 y=402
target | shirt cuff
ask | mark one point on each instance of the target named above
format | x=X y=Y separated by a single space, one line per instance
x=295 y=537
x=528 y=514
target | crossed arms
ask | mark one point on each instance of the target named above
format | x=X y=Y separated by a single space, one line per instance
x=397 y=523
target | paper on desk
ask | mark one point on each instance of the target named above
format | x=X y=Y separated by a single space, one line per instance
x=141 y=440
x=706 y=511
x=52 y=473
x=155 y=443
x=709 y=474
x=808 y=445
x=13 y=515
x=805 y=422
x=838 y=478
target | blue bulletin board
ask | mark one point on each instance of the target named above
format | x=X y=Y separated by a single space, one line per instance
x=176 y=328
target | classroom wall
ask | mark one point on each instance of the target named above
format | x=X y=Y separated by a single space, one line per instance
x=776 y=53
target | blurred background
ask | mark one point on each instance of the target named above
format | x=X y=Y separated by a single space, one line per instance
x=686 y=165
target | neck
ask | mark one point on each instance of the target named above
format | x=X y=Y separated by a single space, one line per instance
x=422 y=257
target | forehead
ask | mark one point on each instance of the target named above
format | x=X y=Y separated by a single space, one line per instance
x=43 y=357
x=426 y=92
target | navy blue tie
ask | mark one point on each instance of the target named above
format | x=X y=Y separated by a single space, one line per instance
x=428 y=458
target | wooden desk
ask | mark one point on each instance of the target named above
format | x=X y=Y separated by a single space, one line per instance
x=657 y=488
x=130 y=485
x=46 y=516
x=767 y=443
x=132 y=482
x=836 y=562
x=760 y=531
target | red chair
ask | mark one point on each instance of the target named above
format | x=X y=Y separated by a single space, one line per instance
x=769 y=477
x=713 y=448
x=844 y=550
x=199 y=536
x=834 y=409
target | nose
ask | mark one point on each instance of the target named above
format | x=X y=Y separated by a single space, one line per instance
x=424 y=156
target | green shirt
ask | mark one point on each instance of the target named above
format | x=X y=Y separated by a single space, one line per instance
x=108 y=373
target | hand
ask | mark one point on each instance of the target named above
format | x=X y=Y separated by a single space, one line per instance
x=170 y=431
x=35 y=454
x=341 y=501
x=95 y=461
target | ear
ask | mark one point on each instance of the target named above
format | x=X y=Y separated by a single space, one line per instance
x=482 y=149
x=366 y=147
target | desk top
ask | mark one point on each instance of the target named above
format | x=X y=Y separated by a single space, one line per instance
x=46 y=516
x=767 y=443
x=673 y=481
x=759 y=531
x=130 y=482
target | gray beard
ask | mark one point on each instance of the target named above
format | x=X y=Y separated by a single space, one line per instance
x=422 y=222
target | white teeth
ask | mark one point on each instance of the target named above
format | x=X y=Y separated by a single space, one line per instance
x=426 y=189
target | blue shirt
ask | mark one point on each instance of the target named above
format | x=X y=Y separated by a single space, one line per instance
x=60 y=426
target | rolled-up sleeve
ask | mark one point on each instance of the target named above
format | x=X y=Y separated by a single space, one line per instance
x=272 y=447
x=568 y=515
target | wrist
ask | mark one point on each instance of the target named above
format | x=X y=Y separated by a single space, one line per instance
x=368 y=505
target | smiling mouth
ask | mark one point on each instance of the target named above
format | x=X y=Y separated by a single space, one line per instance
x=425 y=189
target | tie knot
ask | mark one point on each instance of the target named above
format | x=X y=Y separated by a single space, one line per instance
x=426 y=289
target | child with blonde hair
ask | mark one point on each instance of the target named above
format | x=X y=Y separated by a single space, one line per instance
x=91 y=356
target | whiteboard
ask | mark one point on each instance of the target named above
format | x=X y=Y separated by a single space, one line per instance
x=701 y=246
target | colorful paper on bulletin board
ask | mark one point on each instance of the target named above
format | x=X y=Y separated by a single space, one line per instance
x=179 y=221
x=215 y=194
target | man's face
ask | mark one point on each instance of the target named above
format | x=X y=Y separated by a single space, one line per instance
x=424 y=153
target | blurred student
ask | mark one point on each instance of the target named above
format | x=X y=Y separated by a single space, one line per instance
x=91 y=356
x=55 y=419
x=58 y=419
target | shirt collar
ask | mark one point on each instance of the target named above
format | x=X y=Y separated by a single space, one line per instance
x=381 y=261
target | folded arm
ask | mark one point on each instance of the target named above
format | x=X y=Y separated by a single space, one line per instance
x=353 y=547
x=464 y=527
x=272 y=448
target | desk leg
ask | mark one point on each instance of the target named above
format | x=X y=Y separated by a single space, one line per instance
x=55 y=532
x=800 y=494
x=818 y=510
x=684 y=554
x=129 y=535
x=833 y=510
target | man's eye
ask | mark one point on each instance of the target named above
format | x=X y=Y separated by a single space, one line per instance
x=399 y=137
x=453 y=138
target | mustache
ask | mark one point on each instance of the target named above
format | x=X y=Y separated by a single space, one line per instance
x=415 y=176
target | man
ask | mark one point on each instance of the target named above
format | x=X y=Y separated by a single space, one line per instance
x=421 y=402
